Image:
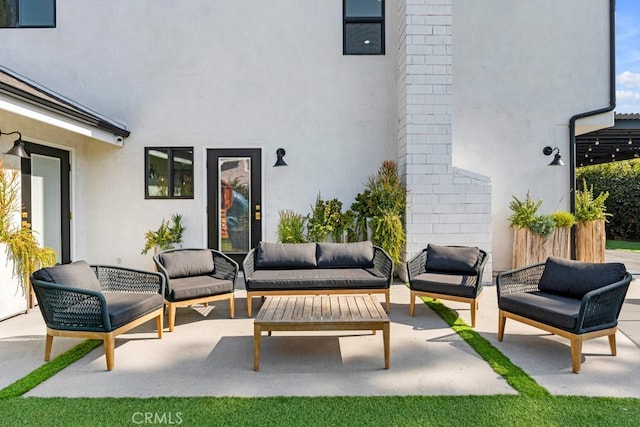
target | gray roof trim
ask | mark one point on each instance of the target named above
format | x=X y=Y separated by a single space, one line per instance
x=22 y=88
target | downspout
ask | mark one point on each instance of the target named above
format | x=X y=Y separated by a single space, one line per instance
x=572 y=121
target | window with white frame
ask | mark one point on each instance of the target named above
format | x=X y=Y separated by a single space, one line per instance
x=363 y=27
x=27 y=13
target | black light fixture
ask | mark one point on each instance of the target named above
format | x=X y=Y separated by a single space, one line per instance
x=18 y=145
x=280 y=161
x=557 y=160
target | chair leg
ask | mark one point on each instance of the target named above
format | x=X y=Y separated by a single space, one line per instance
x=412 y=303
x=249 y=306
x=109 y=341
x=159 y=321
x=232 y=306
x=47 y=347
x=172 y=316
x=387 y=299
x=576 y=354
x=474 y=308
x=612 y=344
x=501 y=322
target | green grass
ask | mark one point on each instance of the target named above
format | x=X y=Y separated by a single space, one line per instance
x=627 y=246
x=533 y=406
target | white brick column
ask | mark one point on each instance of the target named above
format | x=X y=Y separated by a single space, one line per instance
x=446 y=205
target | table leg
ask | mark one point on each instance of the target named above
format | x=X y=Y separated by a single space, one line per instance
x=257 y=332
x=387 y=344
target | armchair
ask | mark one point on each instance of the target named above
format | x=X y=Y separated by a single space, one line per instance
x=96 y=302
x=449 y=273
x=573 y=299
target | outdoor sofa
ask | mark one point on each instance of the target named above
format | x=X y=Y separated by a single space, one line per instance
x=96 y=302
x=317 y=269
x=573 y=299
x=196 y=276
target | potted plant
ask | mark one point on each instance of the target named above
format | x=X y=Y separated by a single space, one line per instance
x=591 y=215
x=291 y=227
x=166 y=236
x=324 y=220
x=561 y=237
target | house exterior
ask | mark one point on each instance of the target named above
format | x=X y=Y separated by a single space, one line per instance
x=463 y=94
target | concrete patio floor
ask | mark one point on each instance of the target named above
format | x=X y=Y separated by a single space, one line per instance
x=209 y=354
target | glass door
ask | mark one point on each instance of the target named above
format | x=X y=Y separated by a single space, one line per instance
x=234 y=211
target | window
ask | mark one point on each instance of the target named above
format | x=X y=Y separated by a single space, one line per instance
x=27 y=13
x=363 y=27
x=169 y=172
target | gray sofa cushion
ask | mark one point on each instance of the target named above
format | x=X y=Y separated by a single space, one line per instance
x=575 y=278
x=310 y=279
x=197 y=286
x=458 y=285
x=124 y=307
x=345 y=255
x=185 y=263
x=285 y=255
x=452 y=259
x=550 y=309
x=78 y=274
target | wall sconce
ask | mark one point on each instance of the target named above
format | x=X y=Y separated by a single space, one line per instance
x=557 y=160
x=280 y=161
x=18 y=146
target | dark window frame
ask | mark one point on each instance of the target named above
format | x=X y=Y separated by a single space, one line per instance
x=18 y=26
x=363 y=20
x=171 y=179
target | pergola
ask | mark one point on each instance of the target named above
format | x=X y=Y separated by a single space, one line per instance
x=620 y=142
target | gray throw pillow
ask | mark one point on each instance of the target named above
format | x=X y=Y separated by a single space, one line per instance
x=575 y=278
x=345 y=255
x=452 y=259
x=285 y=255
x=187 y=263
x=78 y=274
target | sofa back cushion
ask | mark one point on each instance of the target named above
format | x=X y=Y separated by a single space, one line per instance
x=575 y=278
x=345 y=255
x=187 y=263
x=285 y=255
x=452 y=259
x=78 y=274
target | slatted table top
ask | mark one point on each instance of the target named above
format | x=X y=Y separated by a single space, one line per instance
x=320 y=310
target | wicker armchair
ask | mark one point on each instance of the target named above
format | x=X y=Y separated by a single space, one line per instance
x=447 y=272
x=96 y=302
x=572 y=299
x=196 y=276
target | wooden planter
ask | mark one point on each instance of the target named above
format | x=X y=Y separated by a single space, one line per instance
x=530 y=248
x=590 y=241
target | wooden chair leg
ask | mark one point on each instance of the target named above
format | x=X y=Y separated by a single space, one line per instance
x=501 y=322
x=576 y=354
x=47 y=347
x=159 y=321
x=612 y=344
x=232 y=306
x=249 y=306
x=172 y=316
x=474 y=308
x=109 y=349
x=412 y=303
x=387 y=299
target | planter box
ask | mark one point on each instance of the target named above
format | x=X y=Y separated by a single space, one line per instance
x=530 y=248
x=591 y=239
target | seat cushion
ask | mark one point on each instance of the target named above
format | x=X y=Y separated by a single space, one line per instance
x=187 y=288
x=550 y=309
x=78 y=274
x=188 y=262
x=124 y=307
x=447 y=284
x=575 y=278
x=345 y=255
x=452 y=259
x=285 y=255
x=310 y=279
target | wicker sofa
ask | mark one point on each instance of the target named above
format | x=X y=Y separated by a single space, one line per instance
x=317 y=269
x=572 y=299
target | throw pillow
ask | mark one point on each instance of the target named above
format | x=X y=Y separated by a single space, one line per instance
x=452 y=259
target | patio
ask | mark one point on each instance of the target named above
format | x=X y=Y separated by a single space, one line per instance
x=212 y=356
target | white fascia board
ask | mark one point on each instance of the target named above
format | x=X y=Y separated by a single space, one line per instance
x=594 y=123
x=61 y=121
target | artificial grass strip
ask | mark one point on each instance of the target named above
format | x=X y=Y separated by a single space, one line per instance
x=514 y=375
x=48 y=370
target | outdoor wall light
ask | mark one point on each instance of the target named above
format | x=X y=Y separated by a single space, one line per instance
x=18 y=145
x=557 y=160
x=280 y=161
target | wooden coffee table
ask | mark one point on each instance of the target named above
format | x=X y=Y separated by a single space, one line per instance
x=320 y=313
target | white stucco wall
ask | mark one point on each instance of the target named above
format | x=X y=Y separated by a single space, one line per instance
x=521 y=70
x=215 y=74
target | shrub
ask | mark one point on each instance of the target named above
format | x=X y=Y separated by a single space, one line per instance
x=524 y=212
x=325 y=219
x=543 y=225
x=291 y=227
x=564 y=219
x=589 y=208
